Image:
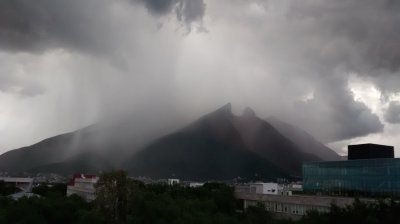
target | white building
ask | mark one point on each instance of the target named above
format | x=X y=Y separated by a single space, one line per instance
x=195 y=184
x=83 y=186
x=264 y=188
x=173 y=181
x=295 y=187
x=25 y=184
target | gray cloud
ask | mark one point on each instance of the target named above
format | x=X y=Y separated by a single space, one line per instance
x=187 y=11
x=320 y=44
x=262 y=54
x=159 y=7
x=190 y=11
x=21 y=88
x=15 y=81
x=392 y=114
x=84 y=25
x=334 y=111
x=353 y=36
x=371 y=26
x=45 y=24
x=315 y=46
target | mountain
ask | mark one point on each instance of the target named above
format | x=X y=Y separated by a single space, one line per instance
x=221 y=145
x=306 y=142
x=208 y=149
x=82 y=163
x=217 y=146
x=262 y=138
x=102 y=146
x=47 y=151
x=82 y=150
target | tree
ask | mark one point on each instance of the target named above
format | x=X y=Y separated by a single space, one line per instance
x=257 y=214
x=6 y=189
x=112 y=193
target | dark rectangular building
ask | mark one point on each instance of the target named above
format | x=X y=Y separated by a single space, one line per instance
x=370 y=151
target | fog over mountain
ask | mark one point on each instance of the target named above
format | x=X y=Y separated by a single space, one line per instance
x=217 y=146
x=306 y=142
x=328 y=67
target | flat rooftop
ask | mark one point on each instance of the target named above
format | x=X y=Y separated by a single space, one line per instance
x=370 y=151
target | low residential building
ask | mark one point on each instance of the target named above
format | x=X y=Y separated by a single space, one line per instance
x=173 y=181
x=195 y=184
x=297 y=187
x=25 y=184
x=263 y=188
x=83 y=186
x=294 y=207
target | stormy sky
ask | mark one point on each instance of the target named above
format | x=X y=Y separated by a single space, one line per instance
x=329 y=67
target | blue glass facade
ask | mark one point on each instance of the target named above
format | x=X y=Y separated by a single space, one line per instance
x=368 y=176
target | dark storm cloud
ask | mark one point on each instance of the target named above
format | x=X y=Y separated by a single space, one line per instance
x=159 y=7
x=334 y=115
x=190 y=11
x=392 y=114
x=187 y=11
x=35 y=26
x=85 y=25
x=373 y=27
x=334 y=111
x=339 y=39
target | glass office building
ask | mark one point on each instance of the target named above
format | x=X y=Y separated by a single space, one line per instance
x=366 y=176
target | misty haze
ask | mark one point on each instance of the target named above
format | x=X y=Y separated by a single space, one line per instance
x=227 y=91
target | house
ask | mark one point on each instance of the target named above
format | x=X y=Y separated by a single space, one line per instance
x=173 y=181
x=83 y=186
x=25 y=184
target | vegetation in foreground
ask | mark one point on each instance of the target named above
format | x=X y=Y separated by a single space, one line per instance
x=121 y=200
x=5 y=189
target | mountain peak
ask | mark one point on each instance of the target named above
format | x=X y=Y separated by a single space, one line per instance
x=249 y=113
x=226 y=109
